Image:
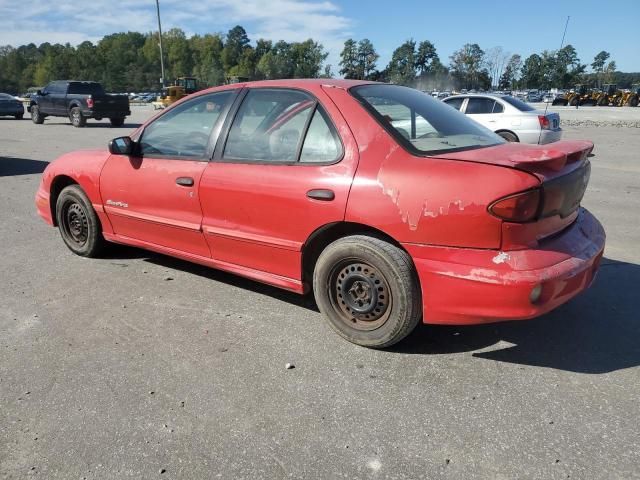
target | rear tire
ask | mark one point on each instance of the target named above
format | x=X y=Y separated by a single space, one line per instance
x=368 y=290
x=508 y=136
x=603 y=102
x=77 y=120
x=78 y=223
x=573 y=102
x=116 y=122
x=36 y=116
x=633 y=102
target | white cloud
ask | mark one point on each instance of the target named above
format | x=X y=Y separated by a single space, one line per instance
x=71 y=21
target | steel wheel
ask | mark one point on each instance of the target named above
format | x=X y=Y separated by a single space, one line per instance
x=75 y=223
x=78 y=223
x=368 y=290
x=360 y=294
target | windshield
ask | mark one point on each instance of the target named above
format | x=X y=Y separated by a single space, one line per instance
x=519 y=104
x=420 y=123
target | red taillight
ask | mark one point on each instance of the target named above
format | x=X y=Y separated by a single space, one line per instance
x=520 y=207
x=90 y=102
x=544 y=122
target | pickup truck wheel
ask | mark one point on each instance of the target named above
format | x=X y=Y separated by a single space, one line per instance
x=78 y=223
x=77 y=120
x=368 y=290
x=36 y=116
x=19 y=116
x=117 y=122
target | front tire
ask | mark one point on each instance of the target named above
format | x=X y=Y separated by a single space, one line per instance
x=78 y=223
x=368 y=290
x=19 y=116
x=36 y=116
x=117 y=122
x=76 y=118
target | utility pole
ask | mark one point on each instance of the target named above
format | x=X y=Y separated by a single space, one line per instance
x=160 y=43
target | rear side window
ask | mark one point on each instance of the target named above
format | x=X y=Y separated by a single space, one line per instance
x=479 y=105
x=85 y=88
x=455 y=102
x=269 y=126
x=321 y=145
x=497 y=107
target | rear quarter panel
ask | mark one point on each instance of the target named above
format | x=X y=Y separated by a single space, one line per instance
x=423 y=200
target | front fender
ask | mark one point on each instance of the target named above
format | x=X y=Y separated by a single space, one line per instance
x=82 y=168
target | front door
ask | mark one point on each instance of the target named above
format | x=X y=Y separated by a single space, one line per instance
x=283 y=172
x=153 y=196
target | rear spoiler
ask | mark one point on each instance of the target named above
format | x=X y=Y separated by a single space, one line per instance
x=553 y=156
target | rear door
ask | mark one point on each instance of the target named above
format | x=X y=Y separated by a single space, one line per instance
x=283 y=172
x=153 y=197
x=485 y=111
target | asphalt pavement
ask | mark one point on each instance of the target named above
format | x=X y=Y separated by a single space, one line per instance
x=141 y=366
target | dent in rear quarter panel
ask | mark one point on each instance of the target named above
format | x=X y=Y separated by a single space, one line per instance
x=419 y=199
x=84 y=168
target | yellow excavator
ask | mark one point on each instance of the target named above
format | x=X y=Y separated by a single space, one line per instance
x=182 y=87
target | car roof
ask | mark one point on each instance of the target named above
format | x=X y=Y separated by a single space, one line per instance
x=468 y=95
x=296 y=83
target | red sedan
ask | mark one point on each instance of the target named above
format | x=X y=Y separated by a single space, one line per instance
x=393 y=207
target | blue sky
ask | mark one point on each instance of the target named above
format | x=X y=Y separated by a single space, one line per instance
x=517 y=27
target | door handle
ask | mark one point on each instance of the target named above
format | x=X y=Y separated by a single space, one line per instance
x=321 y=194
x=185 y=181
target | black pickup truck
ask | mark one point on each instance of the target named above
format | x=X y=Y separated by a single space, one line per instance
x=79 y=101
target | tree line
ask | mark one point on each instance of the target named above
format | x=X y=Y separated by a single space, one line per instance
x=130 y=62
x=471 y=67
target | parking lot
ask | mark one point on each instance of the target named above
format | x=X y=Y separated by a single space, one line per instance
x=142 y=366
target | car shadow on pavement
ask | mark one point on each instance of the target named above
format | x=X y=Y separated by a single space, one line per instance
x=121 y=252
x=12 y=166
x=91 y=124
x=597 y=332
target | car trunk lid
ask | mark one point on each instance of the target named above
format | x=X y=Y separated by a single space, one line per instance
x=563 y=170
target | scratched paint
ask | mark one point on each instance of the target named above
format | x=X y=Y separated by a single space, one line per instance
x=501 y=257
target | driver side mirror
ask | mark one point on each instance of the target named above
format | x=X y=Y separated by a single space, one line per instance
x=41 y=92
x=121 y=146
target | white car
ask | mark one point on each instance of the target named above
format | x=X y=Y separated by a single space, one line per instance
x=512 y=119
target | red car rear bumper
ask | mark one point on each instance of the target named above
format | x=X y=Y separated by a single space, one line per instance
x=468 y=286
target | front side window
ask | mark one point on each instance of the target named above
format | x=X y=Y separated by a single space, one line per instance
x=184 y=131
x=420 y=123
x=269 y=126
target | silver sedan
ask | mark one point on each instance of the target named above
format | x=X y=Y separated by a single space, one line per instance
x=512 y=119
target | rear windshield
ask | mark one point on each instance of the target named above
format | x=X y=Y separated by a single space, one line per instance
x=420 y=123
x=86 y=88
x=519 y=104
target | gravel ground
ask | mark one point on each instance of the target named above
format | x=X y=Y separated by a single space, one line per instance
x=141 y=366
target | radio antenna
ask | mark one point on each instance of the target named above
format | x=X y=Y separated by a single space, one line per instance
x=546 y=104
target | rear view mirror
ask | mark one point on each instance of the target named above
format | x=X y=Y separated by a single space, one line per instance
x=121 y=146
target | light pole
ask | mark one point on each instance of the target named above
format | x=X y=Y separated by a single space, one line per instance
x=160 y=43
